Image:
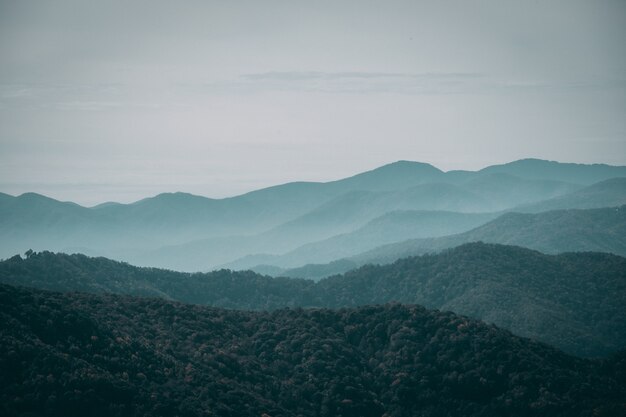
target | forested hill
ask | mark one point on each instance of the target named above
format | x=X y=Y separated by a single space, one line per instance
x=572 y=301
x=110 y=355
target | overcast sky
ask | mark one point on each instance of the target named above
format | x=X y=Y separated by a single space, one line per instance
x=119 y=100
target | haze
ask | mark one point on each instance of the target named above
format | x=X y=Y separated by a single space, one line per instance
x=117 y=100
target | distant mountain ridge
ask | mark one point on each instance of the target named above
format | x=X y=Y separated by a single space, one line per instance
x=184 y=231
x=606 y=193
x=388 y=228
x=556 y=231
x=532 y=168
x=573 y=301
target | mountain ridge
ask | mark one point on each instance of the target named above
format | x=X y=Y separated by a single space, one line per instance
x=551 y=231
x=517 y=288
x=509 y=167
x=182 y=230
x=112 y=355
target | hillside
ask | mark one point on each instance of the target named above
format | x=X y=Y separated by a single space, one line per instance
x=505 y=191
x=77 y=354
x=189 y=232
x=608 y=193
x=558 y=171
x=391 y=227
x=572 y=301
x=600 y=230
x=341 y=215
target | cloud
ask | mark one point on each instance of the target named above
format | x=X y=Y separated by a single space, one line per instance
x=365 y=82
x=319 y=75
x=87 y=97
x=427 y=83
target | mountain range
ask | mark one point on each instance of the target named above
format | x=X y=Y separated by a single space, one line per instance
x=431 y=293
x=601 y=230
x=193 y=233
x=573 y=301
x=110 y=355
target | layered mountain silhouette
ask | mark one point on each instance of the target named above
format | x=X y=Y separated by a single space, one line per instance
x=607 y=193
x=601 y=230
x=532 y=247
x=572 y=301
x=192 y=233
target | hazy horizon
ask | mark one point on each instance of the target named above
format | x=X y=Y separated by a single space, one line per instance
x=116 y=101
x=295 y=180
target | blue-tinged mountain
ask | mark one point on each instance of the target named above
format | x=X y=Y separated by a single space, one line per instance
x=341 y=215
x=608 y=193
x=392 y=177
x=30 y=211
x=585 y=174
x=33 y=220
x=504 y=191
x=602 y=230
x=178 y=230
x=572 y=301
x=175 y=218
x=556 y=231
x=391 y=227
x=296 y=240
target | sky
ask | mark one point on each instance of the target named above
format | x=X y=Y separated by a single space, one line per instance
x=120 y=100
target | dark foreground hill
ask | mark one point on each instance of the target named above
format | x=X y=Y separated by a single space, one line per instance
x=107 y=355
x=573 y=301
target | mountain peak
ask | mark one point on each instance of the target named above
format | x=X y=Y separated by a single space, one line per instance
x=399 y=174
x=402 y=167
x=408 y=165
x=175 y=197
x=532 y=168
x=35 y=198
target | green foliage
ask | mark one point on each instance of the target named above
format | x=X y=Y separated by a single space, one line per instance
x=573 y=301
x=107 y=355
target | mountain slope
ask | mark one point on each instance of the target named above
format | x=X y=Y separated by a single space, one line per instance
x=183 y=231
x=391 y=227
x=505 y=191
x=339 y=215
x=602 y=230
x=489 y=192
x=573 y=301
x=585 y=174
x=608 y=193
x=536 y=295
x=76 y=354
x=557 y=231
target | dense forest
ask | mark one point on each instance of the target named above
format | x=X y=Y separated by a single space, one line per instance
x=109 y=355
x=571 y=301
